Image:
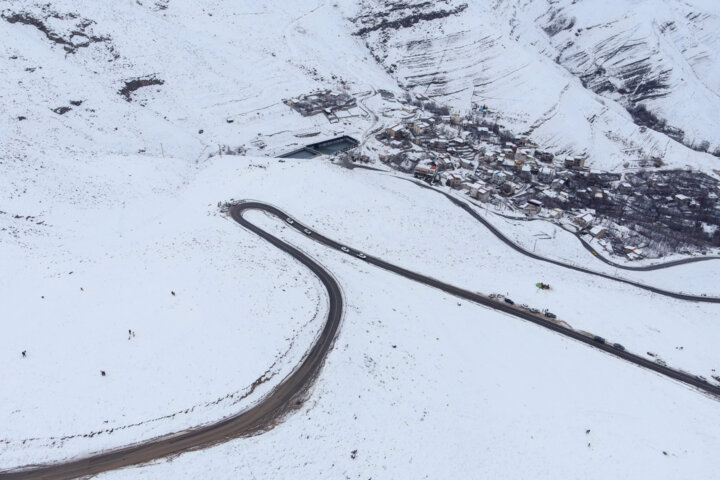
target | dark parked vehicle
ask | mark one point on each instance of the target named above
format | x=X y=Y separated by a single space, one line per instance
x=618 y=347
x=599 y=339
x=550 y=315
x=507 y=300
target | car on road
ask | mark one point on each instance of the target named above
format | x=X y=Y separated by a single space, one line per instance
x=290 y=220
x=508 y=301
x=534 y=310
x=307 y=231
x=701 y=378
x=345 y=249
x=550 y=315
x=617 y=346
x=661 y=362
x=361 y=255
x=599 y=339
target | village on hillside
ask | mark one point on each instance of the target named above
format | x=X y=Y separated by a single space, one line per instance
x=644 y=212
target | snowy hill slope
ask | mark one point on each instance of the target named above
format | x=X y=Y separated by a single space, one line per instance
x=243 y=309
x=527 y=62
x=659 y=60
x=156 y=72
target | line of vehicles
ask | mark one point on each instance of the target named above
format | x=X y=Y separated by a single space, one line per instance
x=596 y=338
x=546 y=313
x=307 y=231
x=553 y=318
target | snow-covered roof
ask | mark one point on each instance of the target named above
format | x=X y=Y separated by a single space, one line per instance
x=586 y=217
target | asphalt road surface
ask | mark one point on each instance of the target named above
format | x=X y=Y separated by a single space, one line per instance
x=257 y=418
x=289 y=392
x=680 y=296
x=514 y=310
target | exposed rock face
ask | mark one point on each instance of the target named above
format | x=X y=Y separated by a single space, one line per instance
x=68 y=30
x=647 y=56
x=136 y=83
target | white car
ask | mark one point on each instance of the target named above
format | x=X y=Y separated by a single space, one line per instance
x=345 y=249
x=361 y=255
x=307 y=231
x=289 y=220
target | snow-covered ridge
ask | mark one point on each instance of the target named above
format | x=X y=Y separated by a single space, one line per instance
x=613 y=81
x=656 y=58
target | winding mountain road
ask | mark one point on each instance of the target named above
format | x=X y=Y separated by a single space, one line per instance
x=255 y=419
x=677 y=295
x=288 y=393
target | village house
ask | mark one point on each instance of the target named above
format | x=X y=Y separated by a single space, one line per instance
x=584 y=220
x=625 y=188
x=526 y=172
x=483 y=194
x=598 y=231
x=483 y=132
x=451 y=180
x=544 y=157
x=500 y=177
x=440 y=144
x=395 y=131
x=574 y=162
x=420 y=127
x=533 y=206
x=633 y=253
x=555 y=213
x=465 y=163
x=682 y=199
x=546 y=174
x=524 y=155
x=557 y=184
x=466 y=185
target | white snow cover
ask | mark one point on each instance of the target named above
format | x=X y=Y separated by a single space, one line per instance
x=184 y=357
x=500 y=54
x=109 y=207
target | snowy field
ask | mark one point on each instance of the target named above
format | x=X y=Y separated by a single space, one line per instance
x=424 y=386
x=240 y=306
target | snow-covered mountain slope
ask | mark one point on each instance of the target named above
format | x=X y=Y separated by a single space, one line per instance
x=538 y=64
x=112 y=117
x=658 y=59
x=165 y=70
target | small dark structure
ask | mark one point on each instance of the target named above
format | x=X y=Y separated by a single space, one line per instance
x=304 y=152
x=326 y=147
x=334 y=145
